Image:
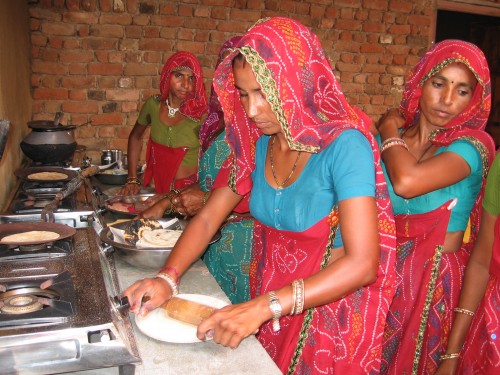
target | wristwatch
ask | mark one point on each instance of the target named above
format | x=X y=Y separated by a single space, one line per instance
x=275 y=307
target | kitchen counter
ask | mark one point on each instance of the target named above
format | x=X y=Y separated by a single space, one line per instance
x=194 y=358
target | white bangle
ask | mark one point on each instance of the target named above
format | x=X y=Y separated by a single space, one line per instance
x=170 y=281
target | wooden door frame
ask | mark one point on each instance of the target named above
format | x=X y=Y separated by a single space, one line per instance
x=485 y=8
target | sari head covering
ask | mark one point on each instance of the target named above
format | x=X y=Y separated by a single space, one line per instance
x=298 y=82
x=211 y=125
x=472 y=120
x=195 y=105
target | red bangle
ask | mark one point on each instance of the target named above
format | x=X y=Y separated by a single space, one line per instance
x=172 y=271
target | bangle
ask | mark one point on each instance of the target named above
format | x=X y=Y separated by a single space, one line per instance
x=298 y=297
x=133 y=180
x=170 y=196
x=275 y=306
x=390 y=142
x=173 y=270
x=205 y=197
x=170 y=281
x=449 y=356
x=463 y=311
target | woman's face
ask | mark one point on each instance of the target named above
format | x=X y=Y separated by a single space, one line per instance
x=253 y=100
x=446 y=94
x=181 y=84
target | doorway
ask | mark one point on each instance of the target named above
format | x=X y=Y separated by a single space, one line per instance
x=483 y=31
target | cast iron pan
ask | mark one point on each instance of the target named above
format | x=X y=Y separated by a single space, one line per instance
x=25 y=172
x=63 y=230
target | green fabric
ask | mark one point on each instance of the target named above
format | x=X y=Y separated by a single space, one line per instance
x=185 y=134
x=229 y=258
x=491 y=200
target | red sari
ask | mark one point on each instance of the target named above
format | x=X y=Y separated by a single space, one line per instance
x=416 y=337
x=297 y=80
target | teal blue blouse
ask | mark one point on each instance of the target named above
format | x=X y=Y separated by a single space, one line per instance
x=341 y=171
x=466 y=190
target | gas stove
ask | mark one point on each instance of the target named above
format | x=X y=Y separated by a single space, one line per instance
x=59 y=304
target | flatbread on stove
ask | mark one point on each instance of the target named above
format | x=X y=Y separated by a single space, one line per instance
x=47 y=176
x=31 y=236
x=159 y=238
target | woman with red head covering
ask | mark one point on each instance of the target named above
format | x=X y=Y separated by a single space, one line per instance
x=322 y=267
x=436 y=156
x=174 y=117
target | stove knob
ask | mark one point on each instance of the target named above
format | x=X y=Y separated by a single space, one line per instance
x=121 y=303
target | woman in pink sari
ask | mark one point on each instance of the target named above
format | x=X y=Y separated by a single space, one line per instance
x=436 y=156
x=478 y=312
x=174 y=118
x=322 y=268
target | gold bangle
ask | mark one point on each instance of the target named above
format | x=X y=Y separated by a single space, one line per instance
x=449 y=356
x=205 y=197
x=133 y=180
x=463 y=311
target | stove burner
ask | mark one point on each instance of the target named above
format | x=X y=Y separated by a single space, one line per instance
x=38 y=252
x=22 y=304
x=37 y=302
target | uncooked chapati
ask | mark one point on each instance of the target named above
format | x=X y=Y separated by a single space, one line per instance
x=47 y=176
x=31 y=236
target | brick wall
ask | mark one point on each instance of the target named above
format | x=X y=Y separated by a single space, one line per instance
x=98 y=60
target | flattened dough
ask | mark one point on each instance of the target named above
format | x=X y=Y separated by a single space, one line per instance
x=47 y=176
x=31 y=236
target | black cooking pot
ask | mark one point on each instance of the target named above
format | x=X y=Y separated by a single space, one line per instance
x=49 y=142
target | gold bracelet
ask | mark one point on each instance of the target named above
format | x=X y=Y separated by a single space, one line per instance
x=449 y=356
x=205 y=197
x=463 y=311
x=133 y=180
x=393 y=142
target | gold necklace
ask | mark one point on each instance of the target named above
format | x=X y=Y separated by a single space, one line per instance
x=280 y=185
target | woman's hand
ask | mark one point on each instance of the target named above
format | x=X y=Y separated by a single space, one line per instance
x=447 y=367
x=157 y=210
x=392 y=119
x=147 y=294
x=231 y=324
x=130 y=189
x=190 y=200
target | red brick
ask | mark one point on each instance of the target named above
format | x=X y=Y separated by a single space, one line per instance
x=123 y=132
x=123 y=19
x=140 y=69
x=131 y=5
x=106 y=82
x=72 y=43
x=115 y=57
x=78 y=82
x=141 y=20
x=374 y=27
x=99 y=43
x=151 y=32
x=204 y=24
x=89 y=5
x=168 y=8
x=42 y=93
x=102 y=56
x=55 y=42
x=76 y=56
x=49 y=82
x=219 y=13
x=80 y=95
x=83 y=31
x=86 y=131
x=133 y=31
x=105 y=69
x=66 y=29
x=129 y=107
x=38 y=40
x=80 y=17
x=128 y=45
x=80 y=107
x=193 y=47
x=143 y=82
x=105 y=5
x=106 y=31
x=107 y=119
x=106 y=132
x=122 y=95
x=155 y=45
x=347 y=25
x=372 y=48
x=77 y=68
x=39 y=66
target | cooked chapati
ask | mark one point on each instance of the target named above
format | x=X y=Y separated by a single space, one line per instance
x=31 y=237
x=47 y=176
x=159 y=238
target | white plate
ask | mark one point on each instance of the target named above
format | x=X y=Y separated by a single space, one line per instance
x=158 y=325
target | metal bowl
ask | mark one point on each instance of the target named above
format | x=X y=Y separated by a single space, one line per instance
x=113 y=177
x=150 y=258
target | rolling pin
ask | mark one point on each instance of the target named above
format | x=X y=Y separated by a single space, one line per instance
x=187 y=311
